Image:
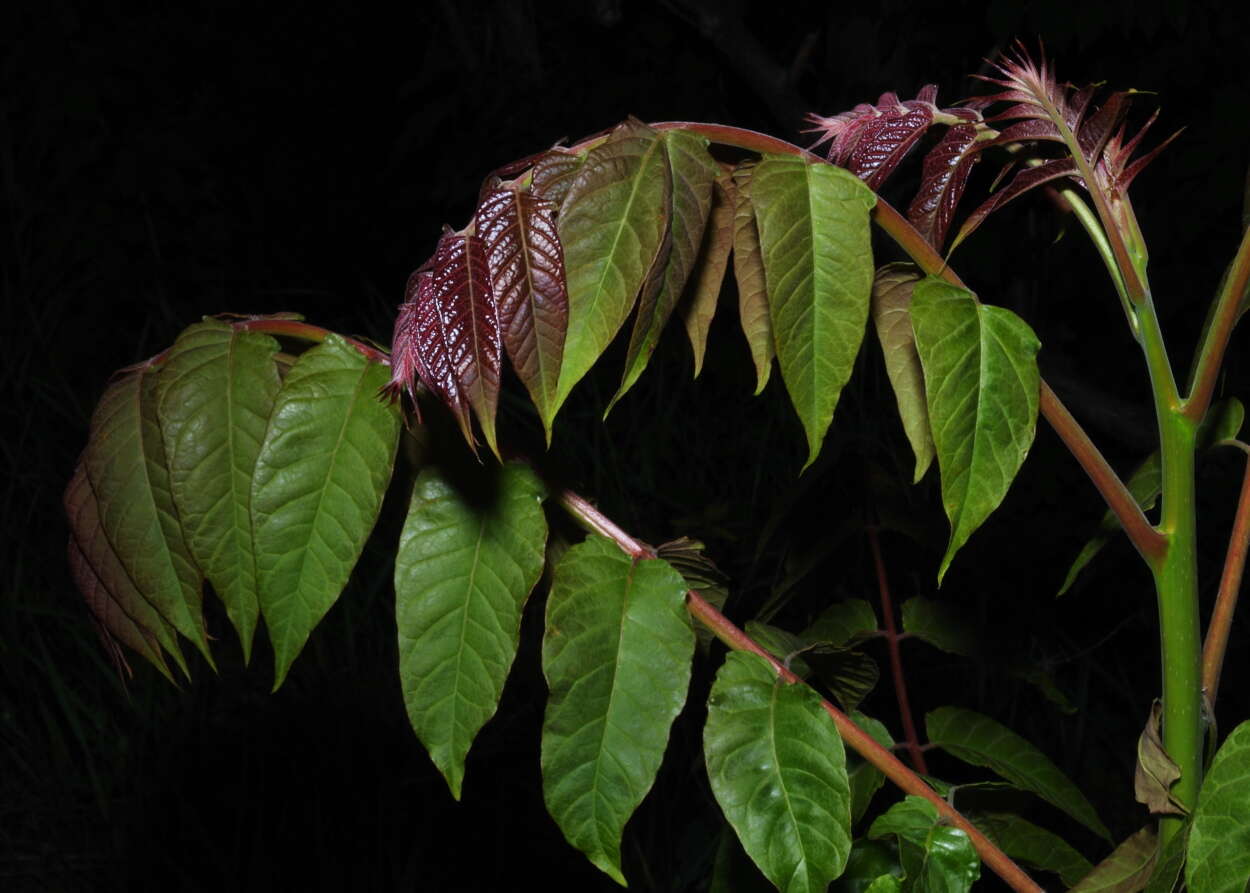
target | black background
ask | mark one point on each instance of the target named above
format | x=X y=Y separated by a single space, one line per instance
x=159 y=163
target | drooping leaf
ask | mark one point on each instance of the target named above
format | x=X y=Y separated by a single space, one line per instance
x=616 y=655
x=982 y=387
x=693 y=173
x=554 y=172
x=215 y=392
x=1219 y=840
x=1126 y=870
x=865 y=778
x=936 y=858
x=423 y=345
x=527 y=273
x=323 y=467
x=465 y=566
x=981 y=741
x=1223 y=421
x=1156 y=771
x=709 y=274
x=891 y=303
x=614 y=225
x=938 y=625
x=944 y=176
x=1024 y=180
x=814 y=239
x=778 y=771
x=462 y=292
x=843 y=623
x=121 y=612
x=126 y=466
x=753 y=312
x=1025 y=842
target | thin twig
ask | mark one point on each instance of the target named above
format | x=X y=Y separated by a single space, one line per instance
x=1216 y=642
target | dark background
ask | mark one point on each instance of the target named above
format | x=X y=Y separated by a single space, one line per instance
x=162 y=163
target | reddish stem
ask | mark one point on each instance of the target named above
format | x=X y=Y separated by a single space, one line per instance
x=914 y=749
x=294 y=328
x=1216 y=642
x=854 y=737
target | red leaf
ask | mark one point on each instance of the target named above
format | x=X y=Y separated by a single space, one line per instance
x=554 y=173
x=1024 y=181
x=526 y=264
x=943 y=180
x=885 y=142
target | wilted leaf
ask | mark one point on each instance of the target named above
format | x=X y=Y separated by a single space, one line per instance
x=693 y=173
x=891 y=303
x=1156 y=772
x=709 y=274
x=777 y=769
x=753 y=312
x=981 y=741
x=616 y=655
x=614 y=225
x=982 y=386
x=527 y=273
x=465 y=566
x=814 y=239
x=215 y=391
x=1219 y=841
x=1126 y=870
x=323 y=467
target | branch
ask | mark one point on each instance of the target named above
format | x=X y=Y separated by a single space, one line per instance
x=1227 y=309
x=855 y=737
x=1216 y=642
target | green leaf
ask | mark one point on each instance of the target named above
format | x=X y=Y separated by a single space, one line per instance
x=843 y=623
x=865 y=778
x=814 y=238
x=938 y=625
x=1219 y=841
x=783 y=645
x=891 y=306
x=1126 y=870
x=616 y=655
x=215 y=392
x=126 y=466
x=1025 y=842
x=709 y=275
x=778 y=771
x=466 y=564
x=323 y=467
x=981 y=741
x=869 y=862
x=614 y=226
x=982 y=386
x=936 y=858
x=753 y=313
x=693 y=173
x=1169 y=862
x=1223 y=421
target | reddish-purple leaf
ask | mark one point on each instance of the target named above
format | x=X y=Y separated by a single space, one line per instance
x=553 y=174
x=944 y=177
x=885 y=142
x=1098 y=127
x=1025 y=180
x=526 y=265
x=432 y=358
x=406 y=367
x=1028 y=130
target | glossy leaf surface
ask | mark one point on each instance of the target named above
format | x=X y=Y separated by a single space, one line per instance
x=936 y=858
x=1219 y=840
x=891 y=304
x=982 y=385
x=616 y=655
x=465 y=566
x=614 y=225
x=216 y=391
x=778 y=771
x=981 y=741
x=814 y=239
x=526 y=261
x=324 y=464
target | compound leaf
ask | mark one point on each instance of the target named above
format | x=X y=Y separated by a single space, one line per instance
x=465 y=566
x=778 y=771
x=616 y=654
x=323 y=466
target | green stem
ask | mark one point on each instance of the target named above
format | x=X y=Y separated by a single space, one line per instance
x=854 y=737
